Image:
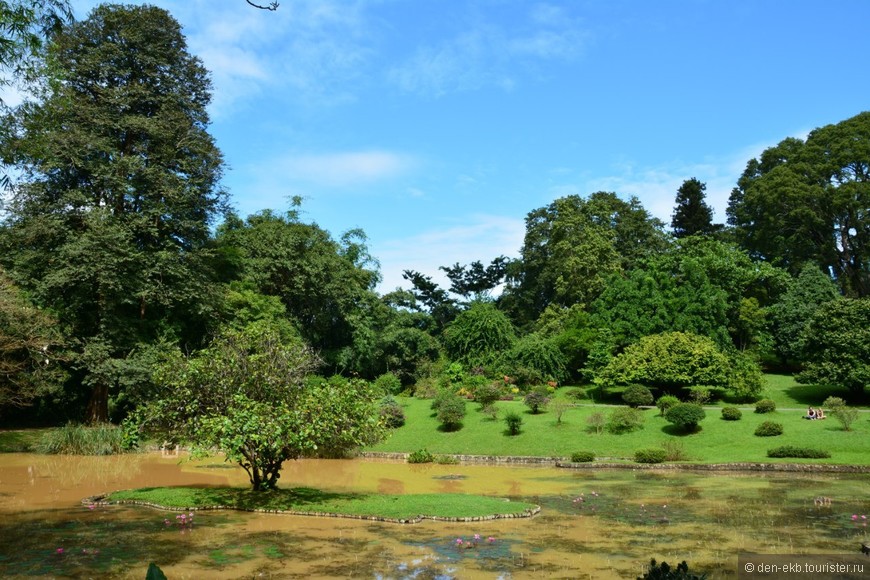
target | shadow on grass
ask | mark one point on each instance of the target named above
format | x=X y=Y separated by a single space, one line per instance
x=449 y=428
x=677 y=431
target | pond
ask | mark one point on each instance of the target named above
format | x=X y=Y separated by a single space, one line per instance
x=594 y=523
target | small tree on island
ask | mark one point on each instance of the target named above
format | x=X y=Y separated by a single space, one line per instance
x=245 y=396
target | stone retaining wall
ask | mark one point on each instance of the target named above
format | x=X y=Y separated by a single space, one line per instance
x=609 y=464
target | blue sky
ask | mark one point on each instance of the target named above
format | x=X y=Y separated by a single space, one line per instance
x=437 y=125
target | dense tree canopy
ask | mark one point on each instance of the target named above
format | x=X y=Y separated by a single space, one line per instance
x=692 y=216
x=807 y=201
x=110 y=222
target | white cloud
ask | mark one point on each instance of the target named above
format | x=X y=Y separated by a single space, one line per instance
x=487 y=54
x=482 y=237
x=343 y=169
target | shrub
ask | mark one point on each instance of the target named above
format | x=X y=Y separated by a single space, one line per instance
x=624 y=420
x=582 y=457
x=637 y=396
x=769 y=429
x=487 y=393
x=651 y=455
x=674 y=450
x=490 y=411
x=514 y=422
x=665 y=402
x=421 y=456
x=451 y=411
x=389 y=384
x=596 y=422
x=391 y=413
x=442 y=395
x=799 y=452
x=664 y=572
x=685 y=415
x=76 y=439
x=731 y=413
x=765 y=406
x=838 y=409
x=576 y=394
x=700 y=395
x=446 y=460
x=535 y=400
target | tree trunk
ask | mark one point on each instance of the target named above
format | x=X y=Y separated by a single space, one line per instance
x=98 y=405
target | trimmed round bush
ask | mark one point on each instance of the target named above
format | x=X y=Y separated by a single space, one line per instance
x=514 y=422
x=685 y=415
x=582 y=457
x=765 y=406
x=769 y=429
x=798 y=452
x=637 y=396
x=731 y=413
x=665 y=402
x=651 y=455
x=577 y=394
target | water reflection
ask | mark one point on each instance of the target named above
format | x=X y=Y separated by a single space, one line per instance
x=603 y=524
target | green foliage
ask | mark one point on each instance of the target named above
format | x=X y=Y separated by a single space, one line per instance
x=391 y=413
x=558 y=408
x=421 y=456
x=669 y=361
x=576 y=394
x=31 y=349
x=582 y=457
x=389 y=383
x=487 y=393
x=77 y=439
x=664 y=572
x=798 y=452
x=451 y=411
x=765 y=406
x=800 y=201
x=573 y=245
x=624 y=420
x=479 y=335
x=731 y=413
x=534 y=353
x=837 y=345
x=685 y=415
x=650 y=455
x=665 y=402
x=25 y=26
x=791 y=315
x=746 y=380
x=769 y=429
x=674 y=450
x=120 y=185
x=245 y=396
x=596 y=422
x=838 y=409
x=692 y=216
x=637 y=395
x=536 y=400
x=514 y=422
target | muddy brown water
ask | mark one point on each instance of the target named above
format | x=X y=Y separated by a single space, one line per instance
x=594 y=524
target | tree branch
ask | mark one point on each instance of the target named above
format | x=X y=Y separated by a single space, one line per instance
x=273 y=6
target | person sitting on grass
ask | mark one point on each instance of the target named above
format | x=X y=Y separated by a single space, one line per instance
x=820 y=414
x=811 y=413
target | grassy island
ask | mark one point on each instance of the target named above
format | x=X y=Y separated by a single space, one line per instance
x=308 y=501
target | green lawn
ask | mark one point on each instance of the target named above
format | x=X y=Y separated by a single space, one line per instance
x=317 y=501
x=716 y=441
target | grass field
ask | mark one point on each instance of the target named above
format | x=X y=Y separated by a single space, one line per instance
x=317 y=501
x=716 y=441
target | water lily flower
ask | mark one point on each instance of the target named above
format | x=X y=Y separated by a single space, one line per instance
x=854 y=517
x=476 y=536
x=458 y=541
x=59 y=550
x=490 y=539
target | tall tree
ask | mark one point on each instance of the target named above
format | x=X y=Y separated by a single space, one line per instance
x=572 y=246
x=692 y=216
x=808 y=201
x=110 y=222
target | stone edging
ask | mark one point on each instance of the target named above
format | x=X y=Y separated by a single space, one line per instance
x=102 y=501
x=560 y=462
